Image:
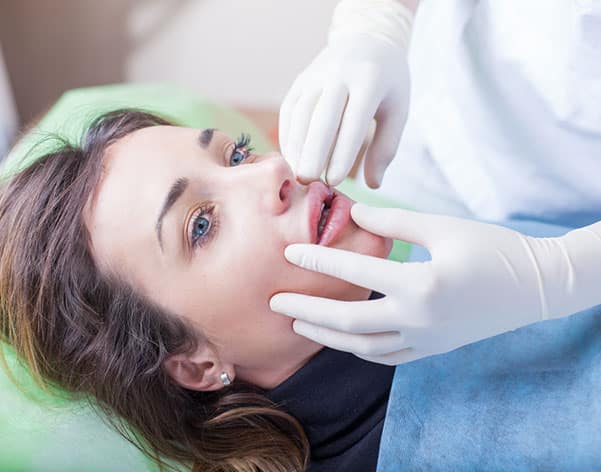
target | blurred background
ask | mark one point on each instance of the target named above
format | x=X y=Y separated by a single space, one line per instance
x=240 y=53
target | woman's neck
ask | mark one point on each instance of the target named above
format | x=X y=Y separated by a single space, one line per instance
x=270 y=377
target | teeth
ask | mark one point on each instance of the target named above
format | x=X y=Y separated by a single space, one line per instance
x=322 y=220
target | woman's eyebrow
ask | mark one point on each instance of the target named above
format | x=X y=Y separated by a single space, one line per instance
x=177 y=189
x=205 y=137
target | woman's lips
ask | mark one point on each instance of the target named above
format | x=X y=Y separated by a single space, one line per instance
x=338 y=217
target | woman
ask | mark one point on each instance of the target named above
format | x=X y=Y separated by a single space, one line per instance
x=151 y=296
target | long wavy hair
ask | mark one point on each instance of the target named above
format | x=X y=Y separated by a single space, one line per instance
x=91 y=334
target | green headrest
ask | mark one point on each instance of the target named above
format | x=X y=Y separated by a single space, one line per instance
x=72 y=114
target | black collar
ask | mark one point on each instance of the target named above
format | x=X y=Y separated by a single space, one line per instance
x=341 y=402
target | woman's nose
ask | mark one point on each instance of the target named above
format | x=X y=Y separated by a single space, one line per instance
x=284 y=196
x=275 y=182
x=279 y=190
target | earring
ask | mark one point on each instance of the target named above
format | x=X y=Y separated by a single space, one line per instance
x=225 y=378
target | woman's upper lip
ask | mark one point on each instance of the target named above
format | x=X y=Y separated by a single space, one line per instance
x=338 y=217
x=317 y=194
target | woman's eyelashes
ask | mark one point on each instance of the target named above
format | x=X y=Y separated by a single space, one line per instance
x=203 y=224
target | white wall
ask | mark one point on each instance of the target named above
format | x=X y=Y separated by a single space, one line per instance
x=241 y=52
x=8 y=117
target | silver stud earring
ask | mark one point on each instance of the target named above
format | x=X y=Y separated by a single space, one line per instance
x=225 y=378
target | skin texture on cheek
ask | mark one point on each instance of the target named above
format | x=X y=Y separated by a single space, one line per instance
x=231 y=305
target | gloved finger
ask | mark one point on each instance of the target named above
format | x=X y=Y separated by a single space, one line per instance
x=394 y=358
x=353 y=128
x=398 y=223
x=368 y=316
x=285 y=117
x=322 y=131
x=366 y=271
x=299 y=124
x=374 y=344
x=383 y=148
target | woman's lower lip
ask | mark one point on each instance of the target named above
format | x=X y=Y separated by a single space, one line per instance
x=338 y=218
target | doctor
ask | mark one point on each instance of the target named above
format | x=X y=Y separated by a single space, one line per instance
x=505 y=123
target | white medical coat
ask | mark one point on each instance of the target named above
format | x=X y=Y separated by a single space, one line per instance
x=505 y=113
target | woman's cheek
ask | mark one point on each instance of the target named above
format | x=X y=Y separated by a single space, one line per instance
x=283 y=276
x=297 y=279
x=320 y=285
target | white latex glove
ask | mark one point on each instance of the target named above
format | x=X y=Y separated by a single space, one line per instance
x=482 y=280
x=362 y=74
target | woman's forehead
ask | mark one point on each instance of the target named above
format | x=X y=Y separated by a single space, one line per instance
x=138 y=170
x=153 y=156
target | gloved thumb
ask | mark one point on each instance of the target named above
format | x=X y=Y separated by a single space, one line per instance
x=397 y=223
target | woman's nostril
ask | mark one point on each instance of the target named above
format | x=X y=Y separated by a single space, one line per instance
x=285 y=190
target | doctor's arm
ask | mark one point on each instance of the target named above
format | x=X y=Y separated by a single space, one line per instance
x=482 y=280
x=361 y=75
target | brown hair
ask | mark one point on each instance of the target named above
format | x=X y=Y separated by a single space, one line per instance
x=91 y=334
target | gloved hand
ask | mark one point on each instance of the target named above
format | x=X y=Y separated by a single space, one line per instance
x=362 y=74
x=482 y=280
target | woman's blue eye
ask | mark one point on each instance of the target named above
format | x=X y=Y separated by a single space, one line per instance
x=203 y=226
x=200 y=227
x=237 y=157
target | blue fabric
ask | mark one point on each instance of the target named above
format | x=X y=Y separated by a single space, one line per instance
x=525 y=400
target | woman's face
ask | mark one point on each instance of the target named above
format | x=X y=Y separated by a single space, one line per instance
x=199 y=225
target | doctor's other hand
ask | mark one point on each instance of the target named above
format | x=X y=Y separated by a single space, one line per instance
x=330 y=106
x=482 y=280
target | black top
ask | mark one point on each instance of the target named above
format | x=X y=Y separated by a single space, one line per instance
x=341 y=402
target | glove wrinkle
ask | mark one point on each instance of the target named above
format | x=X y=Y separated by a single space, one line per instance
x=544 y=311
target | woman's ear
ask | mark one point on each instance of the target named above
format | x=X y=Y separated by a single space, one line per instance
x=200 y=370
